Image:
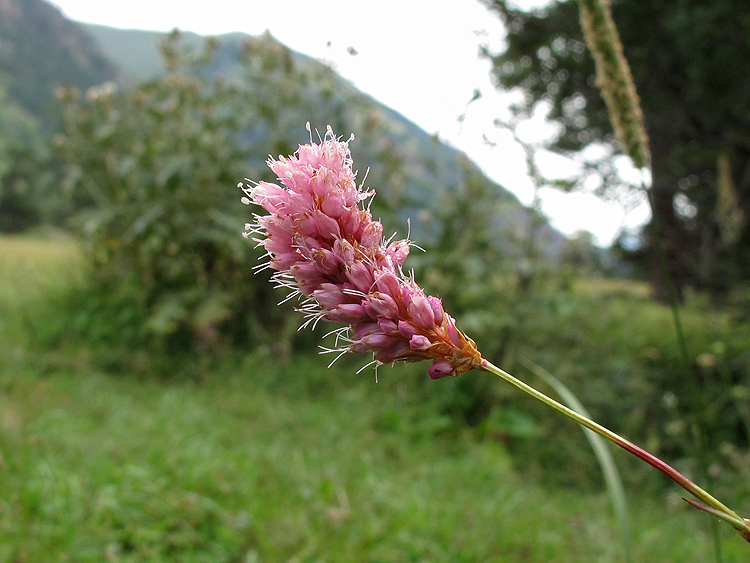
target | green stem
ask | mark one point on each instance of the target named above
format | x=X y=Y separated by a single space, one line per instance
x=601 y=451
x=719 y=509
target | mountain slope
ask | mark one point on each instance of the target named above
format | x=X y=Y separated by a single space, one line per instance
x=135 y=51
x=416 y=173
x=40 y=50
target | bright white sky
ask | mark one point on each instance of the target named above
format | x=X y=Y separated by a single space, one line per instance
x=416 y=56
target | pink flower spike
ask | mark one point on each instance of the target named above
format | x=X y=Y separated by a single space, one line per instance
x=324 y=244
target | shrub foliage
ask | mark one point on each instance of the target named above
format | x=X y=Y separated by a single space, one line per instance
x=153 y=173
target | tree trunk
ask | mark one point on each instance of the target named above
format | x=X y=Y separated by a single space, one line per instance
x=666 y=238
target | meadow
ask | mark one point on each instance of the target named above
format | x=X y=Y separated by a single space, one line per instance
x=264 y=460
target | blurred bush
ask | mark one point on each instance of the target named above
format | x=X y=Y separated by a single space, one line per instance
x=605 y=338
x=152 y=174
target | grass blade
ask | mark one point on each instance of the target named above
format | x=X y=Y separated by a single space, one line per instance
x=601 y=450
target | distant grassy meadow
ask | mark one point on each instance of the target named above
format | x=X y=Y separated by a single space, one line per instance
x=264 y=461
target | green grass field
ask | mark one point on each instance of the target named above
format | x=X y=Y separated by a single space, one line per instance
x=267 y=462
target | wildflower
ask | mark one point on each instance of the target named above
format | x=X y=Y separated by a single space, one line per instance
x=324 y=245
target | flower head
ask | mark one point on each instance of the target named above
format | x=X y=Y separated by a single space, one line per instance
x=324 y=245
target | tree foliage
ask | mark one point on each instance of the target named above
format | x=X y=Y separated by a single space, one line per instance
x=24 y=168
x=153 y=173
x=684 y=57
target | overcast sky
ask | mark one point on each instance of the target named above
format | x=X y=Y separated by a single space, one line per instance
x=415 y=56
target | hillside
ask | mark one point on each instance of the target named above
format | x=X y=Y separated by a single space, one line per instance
x=40 y=50
x=416 y=174
x=414 y=170
x=135 y=51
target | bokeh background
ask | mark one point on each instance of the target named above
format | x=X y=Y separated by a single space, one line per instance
x=157 y=404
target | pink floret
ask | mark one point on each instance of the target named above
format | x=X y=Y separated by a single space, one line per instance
x=324 y=245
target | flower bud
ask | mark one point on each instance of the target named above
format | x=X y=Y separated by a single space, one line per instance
x=387 y=326
x=348 y=313
x=277 y=245
x=383 y=305
x=360 y=275
x=329 y=295
x=320 y=182
x=372 y=234
x=420 y=310
x=406 y=329
x=344 y=251
x=350 y=221
x=398 y=251
x=270 y=196
x=398 y=351
x=388 y=283
x=440 y=368
x=333 y=205
x=437 y=308
x=378 y=340
x=327 y=227
x=326 y=261
x=282 y=262
x=419 y=342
